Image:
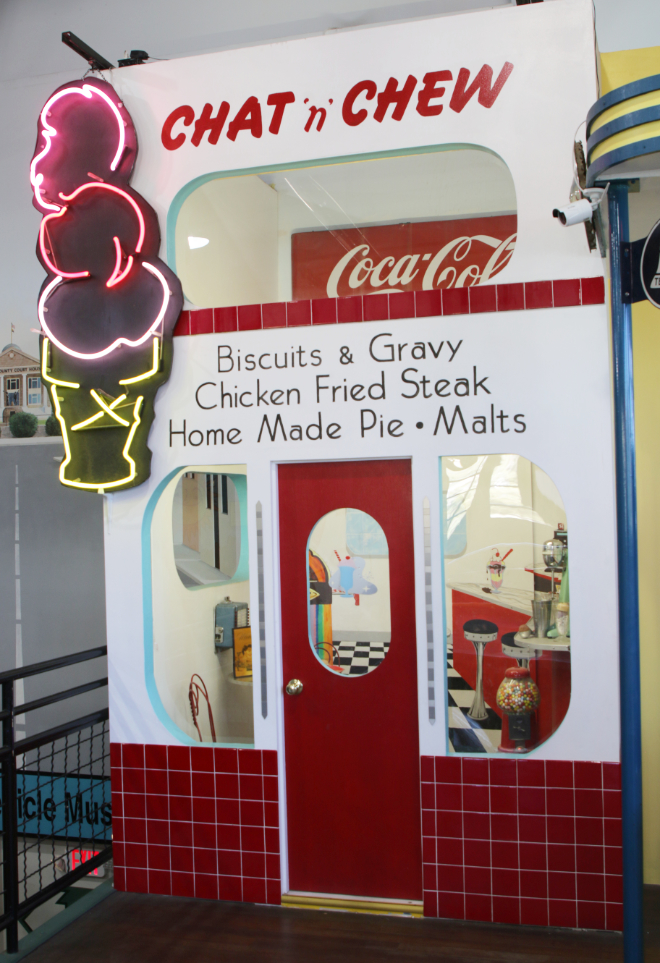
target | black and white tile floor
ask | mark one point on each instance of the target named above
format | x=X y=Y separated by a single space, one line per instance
x=358 y=658
x=465 y=734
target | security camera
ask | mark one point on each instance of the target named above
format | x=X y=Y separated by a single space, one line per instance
x=575 y=213
x=580 y=210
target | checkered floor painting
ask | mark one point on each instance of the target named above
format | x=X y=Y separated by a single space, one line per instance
x=466 y=735
x=358 y=658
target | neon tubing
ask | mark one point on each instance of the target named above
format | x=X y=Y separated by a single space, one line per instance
x=116 y=190
x=42 y=247
x=53 y=381
x=99 y=486
x=116 y=277
x=88 y=421
x=97 y=398
x=118 y=341
x=147 y=374
x=87 y=90
x=99 y=414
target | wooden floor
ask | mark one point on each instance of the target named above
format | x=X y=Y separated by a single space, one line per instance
x=128 y=928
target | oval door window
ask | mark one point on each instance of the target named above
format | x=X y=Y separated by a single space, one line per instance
x=349 y=592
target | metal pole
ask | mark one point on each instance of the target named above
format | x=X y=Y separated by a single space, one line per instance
x=9 y=819
x=626 y=504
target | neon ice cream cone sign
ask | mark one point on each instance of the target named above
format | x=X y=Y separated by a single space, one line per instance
x=109 y=304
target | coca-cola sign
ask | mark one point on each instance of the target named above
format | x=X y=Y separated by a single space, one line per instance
x=417 y=256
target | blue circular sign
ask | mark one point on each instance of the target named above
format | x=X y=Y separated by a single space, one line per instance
x=650 y=266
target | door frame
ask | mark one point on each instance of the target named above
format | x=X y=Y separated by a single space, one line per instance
x=432 y=737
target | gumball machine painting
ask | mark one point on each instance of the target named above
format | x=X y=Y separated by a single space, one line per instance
x=518 y=697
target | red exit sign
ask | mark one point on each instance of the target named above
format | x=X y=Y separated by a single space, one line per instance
x=80 y=856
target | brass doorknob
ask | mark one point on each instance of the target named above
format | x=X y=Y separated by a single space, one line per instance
x=294 y=687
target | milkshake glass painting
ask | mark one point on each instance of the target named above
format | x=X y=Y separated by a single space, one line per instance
x=495 y=570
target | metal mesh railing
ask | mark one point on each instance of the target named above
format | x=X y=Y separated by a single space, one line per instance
x=55 y=799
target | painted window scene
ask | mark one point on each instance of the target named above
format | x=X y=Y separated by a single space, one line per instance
x=330 y=230
x=206 y=528
x=202 y=645
x=349 y=592
x=507 y=603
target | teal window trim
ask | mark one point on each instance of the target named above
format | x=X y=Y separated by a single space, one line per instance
x=181 y=196
x=241 y=575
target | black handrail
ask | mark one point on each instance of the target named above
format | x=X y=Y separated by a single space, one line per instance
x=57 y=697
x=50 y=664
x=58 y=732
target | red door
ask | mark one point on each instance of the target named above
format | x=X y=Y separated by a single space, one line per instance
x=352 y=743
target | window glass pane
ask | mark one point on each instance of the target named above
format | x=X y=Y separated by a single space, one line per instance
x=505 y=548
x=34 y=391
x=202 y=641
x=349 y=592
x=12 y=391
x=437 y=219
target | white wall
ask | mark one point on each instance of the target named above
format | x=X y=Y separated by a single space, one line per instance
x=33 y=62
x=627 y=25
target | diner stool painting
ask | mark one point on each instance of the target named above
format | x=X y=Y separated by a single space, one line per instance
x=506 y=585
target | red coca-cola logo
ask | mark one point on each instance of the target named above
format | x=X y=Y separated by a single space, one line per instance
x=401 y=257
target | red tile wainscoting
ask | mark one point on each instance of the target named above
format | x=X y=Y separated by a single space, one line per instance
x=522 y=841
x=196 y=821
x=504 y=840
x=392 y=307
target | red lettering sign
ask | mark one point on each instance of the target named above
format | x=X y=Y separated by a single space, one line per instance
x=353 y=109
x=401 y=257
x=80 y=856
